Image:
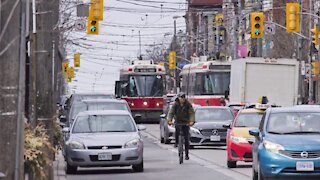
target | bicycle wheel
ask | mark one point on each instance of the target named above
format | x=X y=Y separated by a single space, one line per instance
x=180 y=149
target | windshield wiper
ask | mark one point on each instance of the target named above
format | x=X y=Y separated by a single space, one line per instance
x=303 y=132
x=273 y=132
x=114 y=131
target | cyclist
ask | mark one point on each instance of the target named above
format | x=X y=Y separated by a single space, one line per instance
x=183 y=113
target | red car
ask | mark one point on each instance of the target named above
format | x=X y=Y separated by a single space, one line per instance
x=238 y=138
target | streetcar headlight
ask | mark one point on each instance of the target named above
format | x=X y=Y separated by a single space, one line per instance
x=145 y=103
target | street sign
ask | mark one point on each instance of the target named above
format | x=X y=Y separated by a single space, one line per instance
x=80 y=25
x=270 y=29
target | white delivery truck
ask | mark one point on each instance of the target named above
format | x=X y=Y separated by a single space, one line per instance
x=254 y=77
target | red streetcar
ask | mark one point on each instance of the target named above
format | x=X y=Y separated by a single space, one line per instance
x=206 y=83
x=142 y=85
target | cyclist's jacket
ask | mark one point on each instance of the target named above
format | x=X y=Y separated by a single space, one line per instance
x=183 y=114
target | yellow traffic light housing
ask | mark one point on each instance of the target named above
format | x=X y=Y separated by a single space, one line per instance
x=92 y=27
x=293 y=17
x=96 y=10
x=315 y=35
x=76 y=58
x=315 y=68
x=172 y=60
x=70 y=72
x=257 y=25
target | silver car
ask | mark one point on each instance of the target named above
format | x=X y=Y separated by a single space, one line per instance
x=104 y=139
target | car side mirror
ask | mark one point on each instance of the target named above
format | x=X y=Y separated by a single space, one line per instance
x=141 y=128
x=227 y=126
x=63 y=118
x=137 y=117
x=66 y=130
x=254 y=132
x=163 y=116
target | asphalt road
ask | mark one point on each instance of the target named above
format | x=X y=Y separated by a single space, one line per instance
x=160 y=162
x=214 y=158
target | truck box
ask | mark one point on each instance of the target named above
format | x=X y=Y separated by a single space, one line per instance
x=254 y=77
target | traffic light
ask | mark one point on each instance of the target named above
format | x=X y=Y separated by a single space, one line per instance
x=315 y=68
x=92 y=27
x=293 y=17
x=76 y=58
x=96 y=10
x=315 y=35
x=172 y=60
x=257 y=25
x=65 y=67
x=70 y=72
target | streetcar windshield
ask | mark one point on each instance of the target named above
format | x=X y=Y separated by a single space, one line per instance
x=146 y=85
x=216 y=83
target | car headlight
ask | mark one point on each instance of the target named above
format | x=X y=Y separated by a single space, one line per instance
x=237 y=139
x=133 y=143
x=194 y=131
x=75 y=145
x=273 y=147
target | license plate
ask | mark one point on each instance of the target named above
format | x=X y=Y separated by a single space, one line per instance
x=305 y=166
x=104 y=156
x=214 y=138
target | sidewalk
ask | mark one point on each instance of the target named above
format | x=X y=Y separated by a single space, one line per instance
x=58 y=168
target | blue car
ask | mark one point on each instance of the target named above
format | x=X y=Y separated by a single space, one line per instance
x=287 y=144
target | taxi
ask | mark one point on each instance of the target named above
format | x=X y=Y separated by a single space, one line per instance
x=239 y=141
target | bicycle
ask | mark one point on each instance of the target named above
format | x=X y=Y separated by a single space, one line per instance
x=181 y=142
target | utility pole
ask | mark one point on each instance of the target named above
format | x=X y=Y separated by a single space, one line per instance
x=18 y=172
x=310 y=96
x=12 y=35
x=174 y=49
x=140 y=55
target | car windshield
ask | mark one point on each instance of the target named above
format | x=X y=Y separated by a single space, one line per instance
x=248 y=120
x=103 y=123
x=151 y=85
x=294 y=123
x=213 y=114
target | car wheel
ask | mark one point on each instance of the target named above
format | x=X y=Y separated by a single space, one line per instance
x=260 y=176
x=138 y=167
x=161 y=136
x=254 y=174
x=232 y=164
x=71 y=169
x=166 y=137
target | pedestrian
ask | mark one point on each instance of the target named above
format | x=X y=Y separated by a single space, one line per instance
x=183 y=113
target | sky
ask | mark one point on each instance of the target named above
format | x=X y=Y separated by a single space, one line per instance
x=103 y=55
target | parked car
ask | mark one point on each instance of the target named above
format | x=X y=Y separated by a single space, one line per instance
x=287 y=143
x=238 y=138
x=104 y=138
x=208 y=128
x=78 y=97
x=97 y=104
